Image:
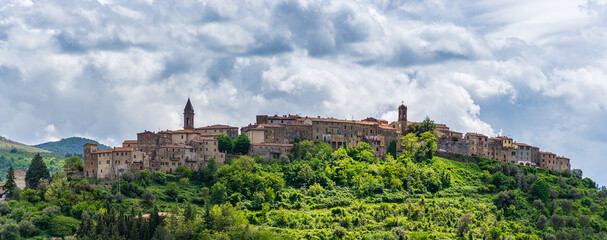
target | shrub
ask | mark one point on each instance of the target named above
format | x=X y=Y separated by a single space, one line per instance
x=542 y=222
x=315 y=190
x=160 y=177
x=538 y=204
x=27 y=228
x=172 y=190
x=566 y=205
x=128 y=176
x=145 y=176
x=148 y=196
x=557 y=221
x=60 y=226
x=9 y=231
x=4 y=209
x=30 y=196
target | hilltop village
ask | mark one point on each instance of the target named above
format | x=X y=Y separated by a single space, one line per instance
x=273 y=137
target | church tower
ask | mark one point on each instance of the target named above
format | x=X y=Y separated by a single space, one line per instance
x=402 y=118
x=188 y=116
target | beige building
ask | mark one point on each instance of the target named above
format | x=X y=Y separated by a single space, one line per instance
x=479 y=145
x=110 y=163
x=219 y=129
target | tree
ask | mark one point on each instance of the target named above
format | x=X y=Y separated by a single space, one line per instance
x=30 y=196
x=224 y=143
x=148 y=196
x=541 y=189
x=426 y=126
x=241 y=144
x=36 y=171
x=392 y=149
x=144 y=175
x=74 y=162
x=10 y=184
x=542 y=222
x=172 y=190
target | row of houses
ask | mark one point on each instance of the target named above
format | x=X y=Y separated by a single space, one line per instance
x=499 y=148
x=273 y=137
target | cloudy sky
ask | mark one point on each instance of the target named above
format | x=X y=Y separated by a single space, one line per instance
x=532 y=70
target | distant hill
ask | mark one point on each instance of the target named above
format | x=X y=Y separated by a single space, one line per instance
x=8 y=144
x=71 y=145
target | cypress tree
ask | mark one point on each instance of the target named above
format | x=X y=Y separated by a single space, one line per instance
x=36 y=171
x=10 y=184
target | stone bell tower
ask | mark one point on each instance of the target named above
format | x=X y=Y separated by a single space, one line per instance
x=188 y=116
x=402 y=118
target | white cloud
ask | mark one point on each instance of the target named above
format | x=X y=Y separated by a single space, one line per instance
x=108 y=70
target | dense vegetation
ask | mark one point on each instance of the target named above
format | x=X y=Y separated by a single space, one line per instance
x=21 y=160
x=317 y=193
x=72 y=145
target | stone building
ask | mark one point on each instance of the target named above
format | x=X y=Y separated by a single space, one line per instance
x=479 y=145
x=163 y=151
x=548 y=160
x=523 y=154
x=218 y=129
x=110 y=163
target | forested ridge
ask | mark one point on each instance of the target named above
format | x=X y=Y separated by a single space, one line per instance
x=317 y=193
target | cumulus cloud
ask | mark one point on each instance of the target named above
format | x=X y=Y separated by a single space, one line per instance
x=109 y=69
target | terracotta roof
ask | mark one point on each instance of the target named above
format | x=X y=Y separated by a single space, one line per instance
x=441 y=126
x=90 y=144
x=281 y=118
x=272 y=144
x=216 y=126
x=175 y=146
x=475 y=134
x=130 y=141
x=103 y=151
x=522 y=144
x=386 y=127
x=548 y=153
x=184 y=131
x=502 y=137
x=269 y=125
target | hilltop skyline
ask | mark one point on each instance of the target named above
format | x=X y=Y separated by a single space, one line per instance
x=533 y=71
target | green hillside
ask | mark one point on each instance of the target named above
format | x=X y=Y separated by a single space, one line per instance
x=72 y=145
x=7 y=144
x=20 y=159
x=317 y=193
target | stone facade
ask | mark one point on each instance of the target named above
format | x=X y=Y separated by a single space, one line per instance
x=110 y=163
x=218 y=129
x=270 y=151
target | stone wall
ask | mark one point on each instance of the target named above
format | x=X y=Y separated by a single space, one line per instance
x=459 y=147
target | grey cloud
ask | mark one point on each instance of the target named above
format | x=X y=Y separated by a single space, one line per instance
x=110 y=70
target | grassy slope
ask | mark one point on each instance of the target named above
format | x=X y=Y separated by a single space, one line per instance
x=423 y=216
x=9 y=144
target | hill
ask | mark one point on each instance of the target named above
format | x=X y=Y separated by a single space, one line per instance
x=317 y=193
x=72 y=145
x=7 y=144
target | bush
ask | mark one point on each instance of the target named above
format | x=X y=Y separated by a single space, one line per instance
x=128 y=176
x=9 y=230
x=160 y=177
x=542 y=222
x=60 y=226
x=148 y=196
x=30 y=196
x=557 y=221
x=27 y=228
x=4 y=209
x=145 y=176
x=172 y=190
